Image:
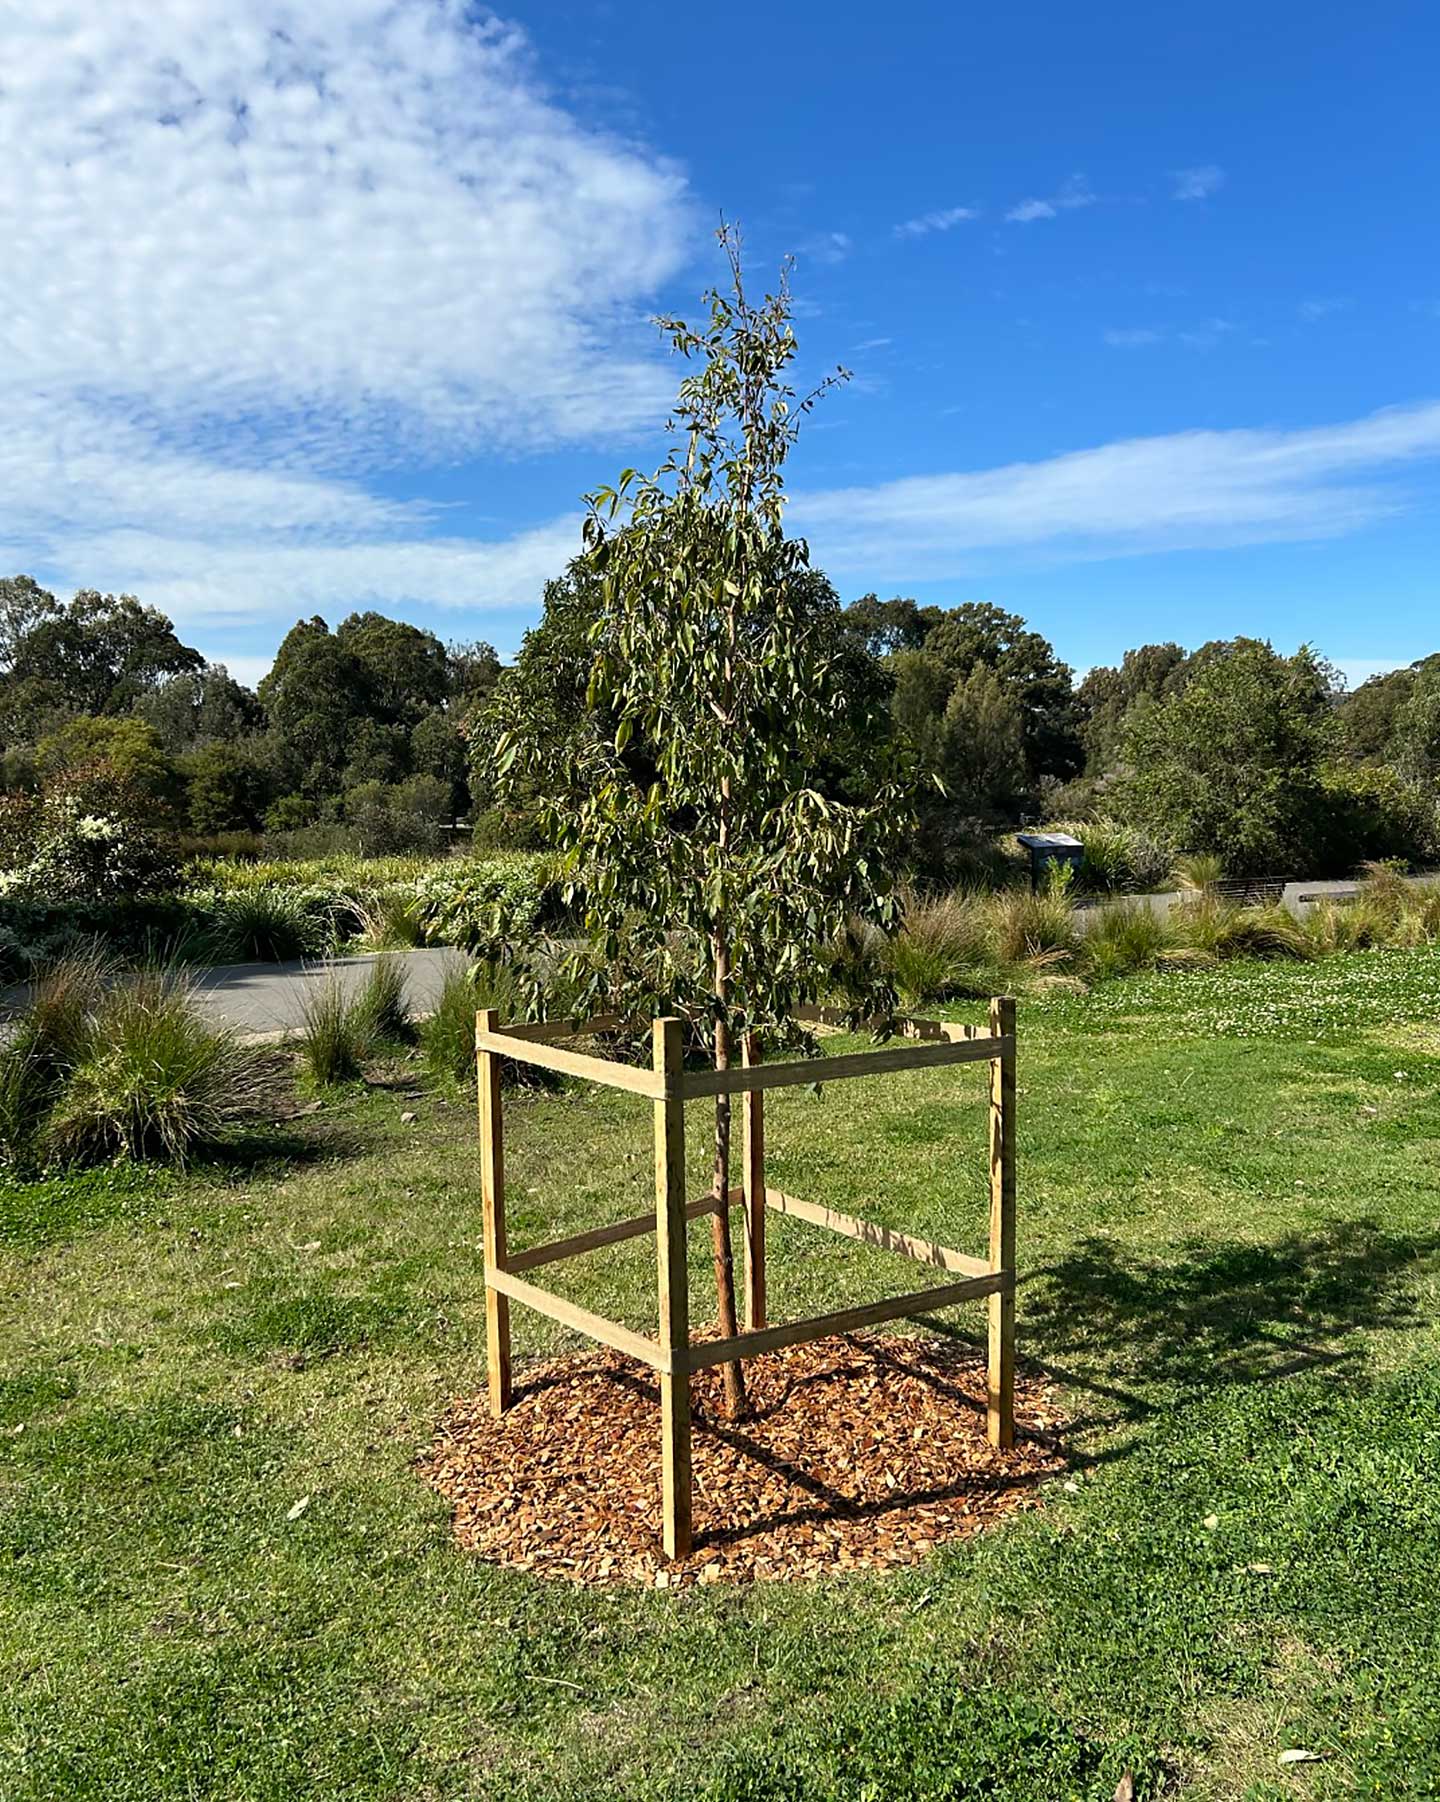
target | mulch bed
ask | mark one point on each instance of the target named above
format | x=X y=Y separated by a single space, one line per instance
x=861 y=1452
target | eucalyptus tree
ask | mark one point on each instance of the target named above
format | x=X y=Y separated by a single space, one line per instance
x=713 y=844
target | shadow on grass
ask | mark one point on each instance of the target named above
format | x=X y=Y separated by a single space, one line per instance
x=1144 y=1333
x=59 y=1205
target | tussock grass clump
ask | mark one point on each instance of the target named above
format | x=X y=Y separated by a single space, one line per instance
x=103 y=1064
x=1332 y=926
x=1200 y=873
x=155 y=1079
x=1040 y=930
x=334 y=1036
x=383 y=1004
x=1218 y=930
x=263 y=924
x=1124 y=937
x=392 y=921
x=341 y=1027
x=943 y=947
x=447 y=1038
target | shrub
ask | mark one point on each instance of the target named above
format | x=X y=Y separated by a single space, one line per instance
x=489 y=905
x=1119 y=858
x=399 y=816
x=89 y=835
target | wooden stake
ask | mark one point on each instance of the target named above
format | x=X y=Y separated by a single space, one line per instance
x=1001 y=1374
x=753 y=1186
x=492 y=1193
x=724 y=1258
x=670 y=1218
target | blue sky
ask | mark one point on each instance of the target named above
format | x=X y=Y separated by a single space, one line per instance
x=319 y=304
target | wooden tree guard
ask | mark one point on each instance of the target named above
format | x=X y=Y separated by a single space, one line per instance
x=669 y=1086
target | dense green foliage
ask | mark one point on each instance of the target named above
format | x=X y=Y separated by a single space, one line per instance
x=1228 y=1206
x=360 y=728
x=702 y=755
x=1231 y=761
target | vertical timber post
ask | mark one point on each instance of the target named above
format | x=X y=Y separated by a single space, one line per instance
x=673 y=1276
x=753 y=1178
x=492 y=1193
x=1000 y=1383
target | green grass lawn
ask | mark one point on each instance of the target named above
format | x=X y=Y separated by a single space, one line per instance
x=1230 y=1229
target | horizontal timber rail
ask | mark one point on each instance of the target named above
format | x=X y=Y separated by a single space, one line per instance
x=594 y=1326
x=922 y=1251
x=597 y=1236
x=847 y=1320
x=832 y=1069
x=741 y=1079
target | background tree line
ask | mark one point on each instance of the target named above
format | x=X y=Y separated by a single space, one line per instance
x=356 y=731
x=377 y=733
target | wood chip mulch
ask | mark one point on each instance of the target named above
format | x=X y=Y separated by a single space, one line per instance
x=860 y=1452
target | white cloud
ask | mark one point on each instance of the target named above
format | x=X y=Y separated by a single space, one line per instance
x=256 y=253
x=827 y=247
x=1208 y=335
x=355 y=223
x=944 y=220
x=229 y=583
x=1313 y=311
x=1199 y=183
x=1132 y=338
x=1189 y=490
x=1075 y=192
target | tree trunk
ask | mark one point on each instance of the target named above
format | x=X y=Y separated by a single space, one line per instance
x=720 y=1232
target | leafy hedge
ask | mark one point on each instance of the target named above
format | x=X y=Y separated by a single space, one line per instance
x=238 y=912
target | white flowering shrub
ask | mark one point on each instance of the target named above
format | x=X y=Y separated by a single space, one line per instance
x=88 y=836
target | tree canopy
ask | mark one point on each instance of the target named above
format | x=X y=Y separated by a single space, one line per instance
x=1231 y=763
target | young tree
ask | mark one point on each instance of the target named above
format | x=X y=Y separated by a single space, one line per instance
x=710 y=848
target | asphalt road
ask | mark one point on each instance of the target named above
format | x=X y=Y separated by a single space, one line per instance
x=269 y=997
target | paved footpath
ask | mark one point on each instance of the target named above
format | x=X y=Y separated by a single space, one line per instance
x=269 y=997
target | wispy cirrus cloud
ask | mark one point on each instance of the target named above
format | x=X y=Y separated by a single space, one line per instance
x=1073 y=193
x=1204 y=336
x=1323 y=307
x=944 y=219
x=1185 y=490
x=1198 y=183
x=257 y=254
x=827 y=247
